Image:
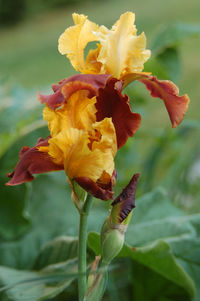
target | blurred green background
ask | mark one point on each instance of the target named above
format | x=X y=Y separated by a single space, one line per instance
x=34 y=213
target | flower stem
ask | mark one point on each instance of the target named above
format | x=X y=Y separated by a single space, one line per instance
x=82 y=249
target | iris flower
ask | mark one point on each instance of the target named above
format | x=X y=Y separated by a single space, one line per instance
x=88 y=117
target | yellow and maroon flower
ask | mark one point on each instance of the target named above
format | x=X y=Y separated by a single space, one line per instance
x=85 y=132
x=88 y=116
x=121 y=53
x=109 y=101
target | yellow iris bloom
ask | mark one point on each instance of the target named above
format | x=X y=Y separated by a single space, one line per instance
x=88 y=116
x=119 y=52
x=84 y=147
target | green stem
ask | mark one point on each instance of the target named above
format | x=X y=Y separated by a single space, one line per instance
x=82 y=249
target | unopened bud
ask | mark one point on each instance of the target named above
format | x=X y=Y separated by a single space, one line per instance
x=115 y=226
x=112 y=241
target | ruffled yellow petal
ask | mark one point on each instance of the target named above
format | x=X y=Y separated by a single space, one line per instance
x=75 y=38
x=122 y=51
x=57 y=120
x=79 y=112
x=61 y=146
x=84 y=162
x=71 y=148
x=108 y=136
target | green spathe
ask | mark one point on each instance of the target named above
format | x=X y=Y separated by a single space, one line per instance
x=112 y=240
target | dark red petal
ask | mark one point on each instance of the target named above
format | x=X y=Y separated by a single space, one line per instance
x=32 y=161
x=111 y=103
x=166 y=90
x=127 y=198
x=68 y=86
x=99 y=192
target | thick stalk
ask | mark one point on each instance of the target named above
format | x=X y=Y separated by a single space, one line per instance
x=82 y=249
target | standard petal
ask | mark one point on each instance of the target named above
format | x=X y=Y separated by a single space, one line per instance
x=75 y=38
x=122 y=51
x=111 y=103
x=66 y=87
x=32 y=161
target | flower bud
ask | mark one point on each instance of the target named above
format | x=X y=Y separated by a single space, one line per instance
x=115 y=226
x=111 y=242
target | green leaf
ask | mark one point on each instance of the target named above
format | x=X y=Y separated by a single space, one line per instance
x=166 y=65
x=165 y=62
x=157 y=68
x=57 y=250
x=171 y=35
x=52 y=214
x=94 y=242
x=36 y=286
x=159 y=258
x=160 y=229
x=19 y=121
x=17 y=116
x=18 y=289
x=14 y=217
x=9 y=159
x=14 y=221
x=59 y=276
x=170 y=61
x=186 y=250
x=144 y=287
x=154 y=205
x=166 y=244
x=156 y=259
x=163 y=220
